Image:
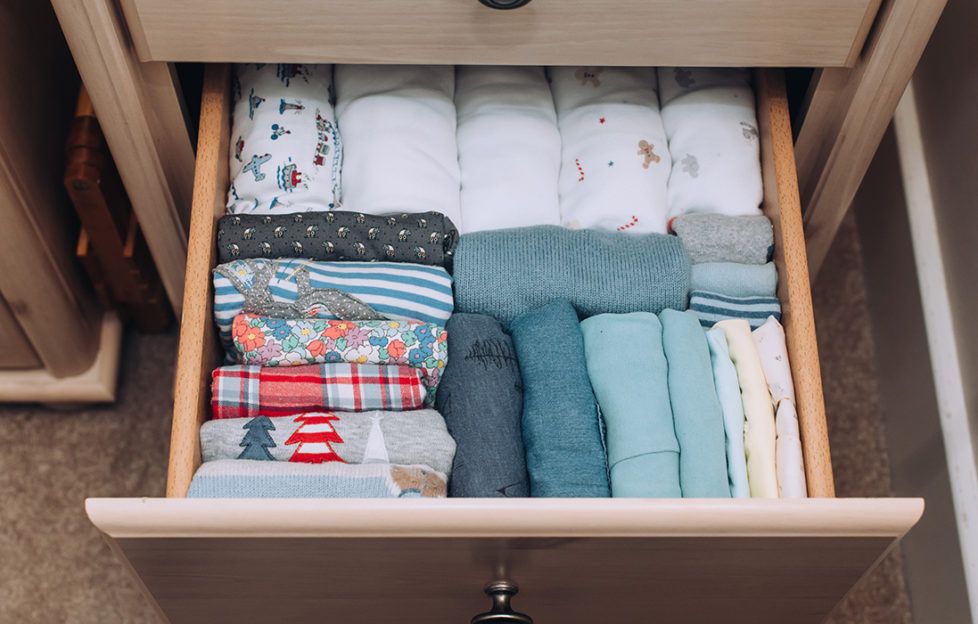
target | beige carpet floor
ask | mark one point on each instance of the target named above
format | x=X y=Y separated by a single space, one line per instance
x=55 y=568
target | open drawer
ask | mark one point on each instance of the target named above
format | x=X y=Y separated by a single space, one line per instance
x=576 y=560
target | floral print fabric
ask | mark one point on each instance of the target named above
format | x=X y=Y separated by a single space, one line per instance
x=267 y=341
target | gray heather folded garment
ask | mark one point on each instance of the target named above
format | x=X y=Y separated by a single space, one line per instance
x=723 y=238
x=413 y=437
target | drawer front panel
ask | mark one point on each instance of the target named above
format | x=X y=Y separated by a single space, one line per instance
x=780 y=33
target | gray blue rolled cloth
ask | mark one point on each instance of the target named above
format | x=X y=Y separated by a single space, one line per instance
x=565 y=455
x=481 y=398
x=710 y=308
x=504 y=273
x=628 y=373
x=725 y=238
x=736 y=280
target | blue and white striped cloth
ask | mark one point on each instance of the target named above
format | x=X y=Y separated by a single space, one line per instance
x=398 y=290
x=711 y=307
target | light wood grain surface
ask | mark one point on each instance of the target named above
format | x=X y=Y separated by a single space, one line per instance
x=848 y=112
x=545 y=32
x=782 y=206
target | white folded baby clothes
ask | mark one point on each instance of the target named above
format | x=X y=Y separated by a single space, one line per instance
x=771 y=346
x=789 y=462
x=286 y=152
x=615 y=163
x=398 y=124
x=711 y=120
x=508 y=148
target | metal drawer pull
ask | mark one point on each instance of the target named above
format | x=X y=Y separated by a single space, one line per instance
x=504 y=4
x=501 y=592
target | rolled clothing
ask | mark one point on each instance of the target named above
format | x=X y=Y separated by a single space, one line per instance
x=267 y=341
x=628 y=372
x=243 y=478
x=398 y=124
x=565 y=454
x=508 y=147
x=722 y=238
x=285 y=151
x=412 y=437
x=615 y=163
x=505 y=273
x=420 y=238
x=696 y=410
x=789 y=461
x=759 y=431
x=481 y=398
x=710 y=118
x=728 y=393
x=300 y=288
x=735 y=280
x=250 y=391
x=710 y=308
x=773 y=350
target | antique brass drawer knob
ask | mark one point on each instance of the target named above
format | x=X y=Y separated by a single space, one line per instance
x=501 y=592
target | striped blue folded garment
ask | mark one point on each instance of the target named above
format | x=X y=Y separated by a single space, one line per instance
x=396 y=290
x=711 y=307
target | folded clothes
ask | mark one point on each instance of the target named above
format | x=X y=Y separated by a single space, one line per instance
x=614 y=161
x=505 y=273
x=735 y=280
x=695 y=407
x=250 y=391
x=565 y=454
x=243 y=478
x=710 y=308
x=398 y=124
x=267 y=341
x=728 y=392
x=286 y=152
x=422 y=238
x=788 y=457
x=759 y=431
x=296 y=288
x=508 y=147
x=413 y=437
x=711 y=122
x=628 y=373
x=721 y=238
x=773 y=350
x=481 y=398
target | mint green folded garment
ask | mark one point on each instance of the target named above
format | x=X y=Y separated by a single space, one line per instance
x=728 y=391
x=735 y=280
x=695 y=407
x=628 y=371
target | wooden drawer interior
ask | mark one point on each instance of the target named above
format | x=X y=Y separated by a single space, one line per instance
x=200 y=352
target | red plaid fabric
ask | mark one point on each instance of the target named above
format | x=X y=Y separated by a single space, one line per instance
x=250 y=391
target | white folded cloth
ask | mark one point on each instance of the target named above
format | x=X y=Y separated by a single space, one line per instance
x=286 y=152
x=711 y=121
x=615 y=163
x=398 y=124
x=508 y=148
x=788 y=454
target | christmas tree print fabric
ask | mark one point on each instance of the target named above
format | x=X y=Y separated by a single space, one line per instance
x=615 y=162
x=413 y=437
x=711 y=121
x=286 y=153
x=266 y=341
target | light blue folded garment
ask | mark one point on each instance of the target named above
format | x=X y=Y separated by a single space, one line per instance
x=248 y=478
x=695 y=407
x=728 y=391
x=710 y=308
x=504 y=273
x=565 y=454
x=736 y=280
x=628 y=373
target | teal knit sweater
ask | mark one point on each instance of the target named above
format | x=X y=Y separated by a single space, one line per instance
x=504 y=273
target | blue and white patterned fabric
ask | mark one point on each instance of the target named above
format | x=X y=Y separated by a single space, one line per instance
x=712 y=307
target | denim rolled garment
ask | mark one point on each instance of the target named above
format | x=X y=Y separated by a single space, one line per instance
x=695 y=407
x=627 y=368
x=565 y=454
x=481 y=398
